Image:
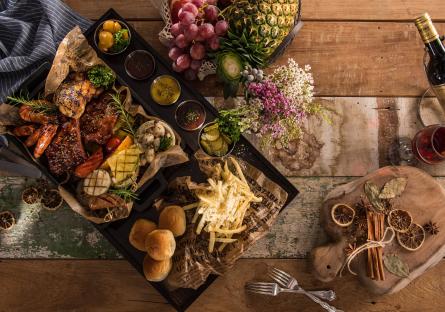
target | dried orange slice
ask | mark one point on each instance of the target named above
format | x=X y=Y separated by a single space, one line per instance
x=413 y=239
x=52 y=200
x=7 y=220
x=31 y=195
x=342 y=215
x=400 y=220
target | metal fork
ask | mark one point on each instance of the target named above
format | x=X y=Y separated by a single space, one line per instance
x=272 y=289
x=287 y=281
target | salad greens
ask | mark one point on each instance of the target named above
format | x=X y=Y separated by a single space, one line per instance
x=101 y=76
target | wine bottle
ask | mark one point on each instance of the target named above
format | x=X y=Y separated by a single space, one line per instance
x=436 y=67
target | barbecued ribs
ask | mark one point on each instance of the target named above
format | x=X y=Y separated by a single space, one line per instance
x=98 y=121
x=66 y=151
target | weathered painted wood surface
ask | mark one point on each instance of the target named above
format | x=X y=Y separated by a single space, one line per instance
x=102 y=285
x=64 y=234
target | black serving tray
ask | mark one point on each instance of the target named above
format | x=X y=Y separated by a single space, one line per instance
x=117 y=232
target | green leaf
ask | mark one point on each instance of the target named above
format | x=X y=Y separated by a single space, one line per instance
x=230 y=89
x=101 y=76
x=395 y=265
x=393 y=188
x=165 y=143
x=372 y=193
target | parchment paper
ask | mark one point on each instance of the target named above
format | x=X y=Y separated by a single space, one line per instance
x=76 y=55
x=192 y=263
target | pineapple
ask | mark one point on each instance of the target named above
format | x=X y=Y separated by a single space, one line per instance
x=124 y=164
x=256 y=29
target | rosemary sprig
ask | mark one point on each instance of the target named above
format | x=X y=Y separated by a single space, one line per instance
x=37 y=106
x=123 y=114
x=126 y=194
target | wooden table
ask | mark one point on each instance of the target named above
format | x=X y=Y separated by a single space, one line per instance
x=366 y=58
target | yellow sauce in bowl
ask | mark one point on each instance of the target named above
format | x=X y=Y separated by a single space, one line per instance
x=165 y=90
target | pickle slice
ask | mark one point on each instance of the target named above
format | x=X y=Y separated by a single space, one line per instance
x=211 y=127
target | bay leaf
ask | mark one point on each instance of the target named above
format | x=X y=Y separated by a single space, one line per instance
x=393 y=188
x=395 y=265
x=372 y=193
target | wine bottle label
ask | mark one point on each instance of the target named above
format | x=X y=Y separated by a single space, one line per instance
x=440 y=93
x=426 y=28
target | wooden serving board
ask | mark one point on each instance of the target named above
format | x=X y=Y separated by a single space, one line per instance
x=423 y=197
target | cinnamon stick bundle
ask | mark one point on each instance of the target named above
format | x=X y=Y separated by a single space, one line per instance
x=376 y=228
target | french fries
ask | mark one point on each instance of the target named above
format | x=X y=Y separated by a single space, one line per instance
x=222 y=206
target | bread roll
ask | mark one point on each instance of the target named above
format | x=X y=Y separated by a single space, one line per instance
x=141 y=228
x=156 y=271
x=173 y=218
x=160 y=244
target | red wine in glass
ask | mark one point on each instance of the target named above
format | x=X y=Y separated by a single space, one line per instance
x=429 y=144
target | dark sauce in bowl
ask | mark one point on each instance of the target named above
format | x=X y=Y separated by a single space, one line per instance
x=140 y=64
x=190 y=115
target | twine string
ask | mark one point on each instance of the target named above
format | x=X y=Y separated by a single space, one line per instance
x=389 y=231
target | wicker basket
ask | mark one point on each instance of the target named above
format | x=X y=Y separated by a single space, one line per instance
x=208 y=67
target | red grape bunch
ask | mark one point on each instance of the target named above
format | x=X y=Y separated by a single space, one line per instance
x=197 y=31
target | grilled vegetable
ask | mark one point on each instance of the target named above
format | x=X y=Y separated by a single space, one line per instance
x=97 y=182
x=91 y=164
x=124 y=164
x=112 y=144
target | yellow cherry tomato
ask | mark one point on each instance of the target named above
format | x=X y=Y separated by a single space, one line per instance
x=106 y=39
x=125 y=35
x=109 y=26
x=117 y=27
x=102 y=47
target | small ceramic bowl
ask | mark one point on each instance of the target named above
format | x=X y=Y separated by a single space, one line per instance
x=140 y=65
x=165 y=82
x=100 y=28
x=231 y=147
x=190 y=115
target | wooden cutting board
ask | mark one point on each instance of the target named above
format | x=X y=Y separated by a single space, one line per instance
x=423 y=197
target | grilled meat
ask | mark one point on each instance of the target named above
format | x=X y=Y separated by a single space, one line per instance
x=34 y=137
x=98 y=121
x=46 y=136
x=66 y=151
x=25 y=130
x=27 y=114
x=72 y=97
x=92 y=163
x=105 y=201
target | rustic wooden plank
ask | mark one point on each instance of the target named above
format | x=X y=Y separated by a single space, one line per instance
x=137 y=9
x=359 y=10
x=348 y=59
x=45 y=285
x=379 y=10
x=76 y=286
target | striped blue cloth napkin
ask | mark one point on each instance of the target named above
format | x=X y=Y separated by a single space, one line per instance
x=30 y=32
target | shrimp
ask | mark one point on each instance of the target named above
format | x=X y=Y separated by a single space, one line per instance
x=34 y=137
x=27 y=114
x=47 y=134
x=25 y=130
